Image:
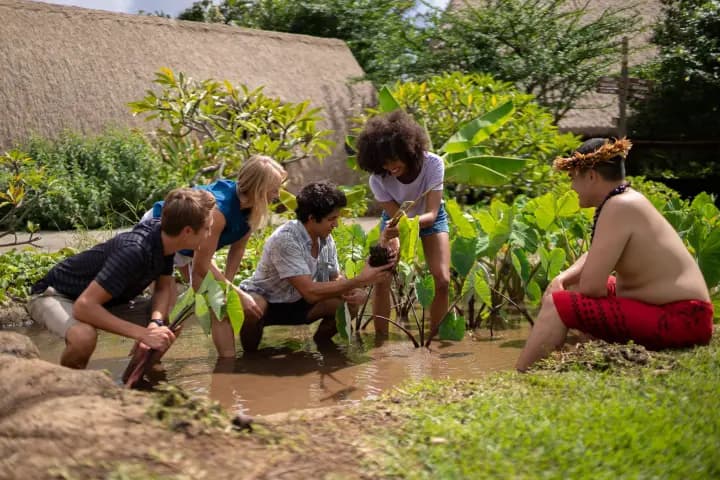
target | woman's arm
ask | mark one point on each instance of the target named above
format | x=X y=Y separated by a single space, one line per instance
x=203 y=255
x=235 y=256
x=432 y=207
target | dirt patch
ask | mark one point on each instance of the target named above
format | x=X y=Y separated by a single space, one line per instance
x=600 y=355
x=62 y=423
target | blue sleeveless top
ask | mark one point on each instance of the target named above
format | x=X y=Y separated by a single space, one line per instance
x=236 y=219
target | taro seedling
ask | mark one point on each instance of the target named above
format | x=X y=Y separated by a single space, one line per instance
x=212 y=298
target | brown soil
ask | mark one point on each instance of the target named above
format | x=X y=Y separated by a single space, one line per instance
x=62 y=423
x=600 y=355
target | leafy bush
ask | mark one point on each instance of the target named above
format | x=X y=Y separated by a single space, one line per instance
x=20 y=270
x=106 y=180
x=22 y=184
x=444 y=103
x=210 y=126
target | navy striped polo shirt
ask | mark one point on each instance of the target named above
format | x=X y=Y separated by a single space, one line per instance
x=124 y=265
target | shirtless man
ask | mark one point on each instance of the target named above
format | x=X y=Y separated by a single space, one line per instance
x=657 y=298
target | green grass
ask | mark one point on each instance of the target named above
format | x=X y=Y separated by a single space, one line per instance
x=623 y=422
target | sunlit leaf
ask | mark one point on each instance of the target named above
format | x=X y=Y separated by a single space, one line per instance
x=215 y=297
x=409 y=234
x=452 y=327
x=235 y=312
x=202 y=313
x=482 y=288
x=556 y=262
x=288 y=200
x=568 y=204
x=425 y=289
x=342 y=321
x=479 y=129
x=545 y=210
x=183 y=301
x=709 y=259
x=463 y=253
x=387 y=101
x=460 y=223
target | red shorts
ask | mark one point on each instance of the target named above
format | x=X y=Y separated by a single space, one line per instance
x=616 y=319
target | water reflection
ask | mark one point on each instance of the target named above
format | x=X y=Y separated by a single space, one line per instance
x=290 y=372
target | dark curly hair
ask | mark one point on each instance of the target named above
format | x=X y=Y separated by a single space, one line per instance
x=319 y=199
x=391 y=136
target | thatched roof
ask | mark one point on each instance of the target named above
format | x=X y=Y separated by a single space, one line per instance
x=596 y=113
x=74 y=68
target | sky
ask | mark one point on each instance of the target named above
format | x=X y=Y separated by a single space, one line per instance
x=171 y=7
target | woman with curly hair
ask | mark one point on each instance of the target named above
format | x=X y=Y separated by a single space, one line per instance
x=393 y=148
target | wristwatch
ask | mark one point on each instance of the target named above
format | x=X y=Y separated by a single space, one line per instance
x=158 y=321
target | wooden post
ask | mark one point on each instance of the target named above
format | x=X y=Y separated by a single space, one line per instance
x=623 y=91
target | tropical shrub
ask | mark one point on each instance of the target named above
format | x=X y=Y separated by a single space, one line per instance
x=106 y=180
x=22 y=184
x=445 y=103
x=19 y=270
x=210 y=126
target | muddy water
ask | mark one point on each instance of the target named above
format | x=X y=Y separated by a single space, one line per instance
x=289 y=372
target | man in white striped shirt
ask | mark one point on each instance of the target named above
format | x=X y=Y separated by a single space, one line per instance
x=297 y=280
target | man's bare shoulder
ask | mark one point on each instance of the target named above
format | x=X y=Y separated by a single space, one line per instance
x=628 y=205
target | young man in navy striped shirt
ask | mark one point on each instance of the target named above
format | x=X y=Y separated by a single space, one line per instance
x=96 y=289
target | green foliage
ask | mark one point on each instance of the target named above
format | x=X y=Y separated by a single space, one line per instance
x=19 y=270
x=504 y=255
x=211 y=126
x=552 y=49
x=449 y=104
x=685 y=98
x=22 y=183
x=212 y=299
x=107 y=180
x=647 y=422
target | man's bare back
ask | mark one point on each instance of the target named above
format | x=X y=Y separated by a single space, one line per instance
x=653 y=266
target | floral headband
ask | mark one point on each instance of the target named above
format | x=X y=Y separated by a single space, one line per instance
x=605 y=153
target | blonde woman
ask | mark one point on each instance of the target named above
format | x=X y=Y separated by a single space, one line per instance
x=242 y=208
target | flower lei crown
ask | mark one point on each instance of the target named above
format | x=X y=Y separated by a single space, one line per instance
x=605 y=153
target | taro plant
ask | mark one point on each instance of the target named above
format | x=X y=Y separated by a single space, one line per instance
x=698 y=223
x=212 y=299
x=467 y=161
x=505 y=255
x=212 y=127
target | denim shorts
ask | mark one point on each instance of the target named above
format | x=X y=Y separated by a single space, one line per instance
x=440 y=225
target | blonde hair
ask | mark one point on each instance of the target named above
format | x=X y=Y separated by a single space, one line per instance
x=186 y=207
x=255 y=178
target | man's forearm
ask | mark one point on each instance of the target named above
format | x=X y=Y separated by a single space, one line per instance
x=99 y=317
x=161 y=305
x=324 y=290
x=572 y=274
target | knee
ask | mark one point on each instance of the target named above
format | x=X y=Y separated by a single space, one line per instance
x=442 y=282
x=251 y=334
x=81 y=337
x=547 y=303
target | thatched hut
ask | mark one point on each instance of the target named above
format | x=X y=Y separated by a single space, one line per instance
x=73 y=68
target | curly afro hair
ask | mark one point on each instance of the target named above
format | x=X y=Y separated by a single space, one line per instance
x=318 y=200
x=391 y=136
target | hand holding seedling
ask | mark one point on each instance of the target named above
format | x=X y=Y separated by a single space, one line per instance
x=371 y=275
x=356 y=296
x=157 y=338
